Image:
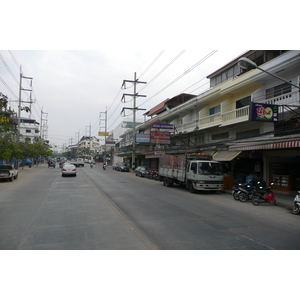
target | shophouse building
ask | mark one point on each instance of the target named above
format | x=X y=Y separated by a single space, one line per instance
x=248 y=119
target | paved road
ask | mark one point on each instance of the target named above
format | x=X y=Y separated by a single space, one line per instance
x=113 y=210
x=42 y=210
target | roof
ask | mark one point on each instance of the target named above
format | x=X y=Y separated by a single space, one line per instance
x=173 y=102
x=156 y=108
x=232 y=62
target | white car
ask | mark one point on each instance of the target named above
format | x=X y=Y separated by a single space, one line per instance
x=68 y=169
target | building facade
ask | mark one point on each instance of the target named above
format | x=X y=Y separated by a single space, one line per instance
x=221 y=121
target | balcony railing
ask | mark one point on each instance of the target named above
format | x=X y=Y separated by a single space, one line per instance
x=291 y=98
x=210 y=121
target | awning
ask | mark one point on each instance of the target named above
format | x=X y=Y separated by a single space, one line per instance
x=226 y=155
x=266 y=146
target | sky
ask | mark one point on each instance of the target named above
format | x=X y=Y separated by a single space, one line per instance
x=78 y=55
x=72 y=89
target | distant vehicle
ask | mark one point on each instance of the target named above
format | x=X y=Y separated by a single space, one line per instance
x=68 y=170
x=8 y=172
x=79 y=162
x=141 y=171
x=115 y=165
x=122 y=167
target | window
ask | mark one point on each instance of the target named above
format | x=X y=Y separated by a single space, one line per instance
x=215 y=110
x=28 y=130
x=243 y=102
x=247 y=134
x=278 y=90
x=194 y=167
x=220 y=136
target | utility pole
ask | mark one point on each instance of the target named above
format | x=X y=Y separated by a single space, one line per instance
x=43 y=128
x=134 y=95
x=105 y=129
x=20 y=97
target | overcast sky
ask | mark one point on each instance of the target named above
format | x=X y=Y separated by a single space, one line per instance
x=72 y=88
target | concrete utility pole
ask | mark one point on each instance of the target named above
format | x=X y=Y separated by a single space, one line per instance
x=20 y=97
x=105 y=129
x=43 y=125
x=134 y=95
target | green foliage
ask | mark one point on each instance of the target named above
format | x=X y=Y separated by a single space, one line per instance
x=11 y=145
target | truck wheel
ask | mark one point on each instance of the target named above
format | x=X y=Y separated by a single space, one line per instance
x=16 y=177
x=11 y=178
x=191 y=188
x=168 y=182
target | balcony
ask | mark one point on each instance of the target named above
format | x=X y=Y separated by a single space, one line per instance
x=224 y=119
x=291 y=98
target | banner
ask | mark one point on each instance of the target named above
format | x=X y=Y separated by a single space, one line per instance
x=158 y=137
x=103 y=133
x=143 y=138
x=163 y=126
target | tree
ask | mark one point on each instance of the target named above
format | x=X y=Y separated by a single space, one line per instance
x=8 y=125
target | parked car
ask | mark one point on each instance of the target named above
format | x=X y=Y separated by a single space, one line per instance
x=115 y=165
x=68 y=169
x=141 y=171
x=8 y=172
x=123 y=167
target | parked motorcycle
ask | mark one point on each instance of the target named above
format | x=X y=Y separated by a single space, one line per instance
x=296 y=209
x=263 y=196
x=245 y=192
x=91 y=165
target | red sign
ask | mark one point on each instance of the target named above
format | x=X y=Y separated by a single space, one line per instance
x=159 y=137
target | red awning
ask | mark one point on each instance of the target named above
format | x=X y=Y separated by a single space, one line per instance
x=266 y=146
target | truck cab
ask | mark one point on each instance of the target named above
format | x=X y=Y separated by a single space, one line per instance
x=204 y=175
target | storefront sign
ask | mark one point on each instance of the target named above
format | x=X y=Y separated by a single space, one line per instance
x=102 y=133
x=163 y=126
x=143 y=138
x=263 y=112
x=158 y=137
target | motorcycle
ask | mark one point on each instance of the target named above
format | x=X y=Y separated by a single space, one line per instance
x=91 y=165
x=104 y=166
x=245 y=191
x=51 y=165
x=296 y=209
x=263 y=196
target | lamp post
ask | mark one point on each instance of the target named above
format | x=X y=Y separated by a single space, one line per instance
x=244 y=62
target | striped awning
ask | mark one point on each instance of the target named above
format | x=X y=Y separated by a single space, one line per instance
x=266 y=146
x=226 y=155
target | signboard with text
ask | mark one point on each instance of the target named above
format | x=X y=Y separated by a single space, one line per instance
x=143 y=138
x=159 y=137
x=163 y=126
x=263 y=112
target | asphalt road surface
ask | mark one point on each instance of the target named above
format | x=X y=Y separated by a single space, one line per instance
x=100 y=209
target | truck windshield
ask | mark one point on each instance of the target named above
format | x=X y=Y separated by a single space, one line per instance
x=209 y=168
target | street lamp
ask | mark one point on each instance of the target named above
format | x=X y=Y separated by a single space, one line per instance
x=244 y=62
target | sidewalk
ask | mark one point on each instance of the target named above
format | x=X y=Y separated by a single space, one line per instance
x=283 y=199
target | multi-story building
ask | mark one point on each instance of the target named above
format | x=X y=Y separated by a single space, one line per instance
x=248 y=119
x=29 y=128
x=88 y=145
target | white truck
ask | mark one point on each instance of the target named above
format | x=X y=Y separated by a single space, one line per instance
x=79 y=162
x=8 y=172
x=196 y=171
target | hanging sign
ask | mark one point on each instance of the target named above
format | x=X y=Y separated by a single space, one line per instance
x=163 y=126
x=159 y=137
x=263 y=112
